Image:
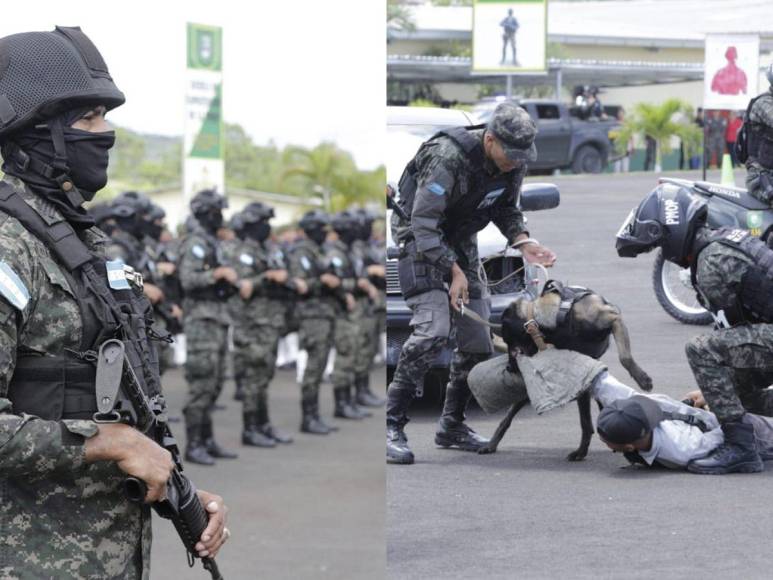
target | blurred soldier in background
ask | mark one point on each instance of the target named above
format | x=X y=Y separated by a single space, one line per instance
x=259 y=321
x=371 y=305
x=350 y=312
x=316 y=312
x=207 y=283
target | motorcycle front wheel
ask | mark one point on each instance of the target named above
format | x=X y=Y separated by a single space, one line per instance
x=675 y=293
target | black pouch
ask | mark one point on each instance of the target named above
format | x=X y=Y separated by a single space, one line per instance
x=406 y=273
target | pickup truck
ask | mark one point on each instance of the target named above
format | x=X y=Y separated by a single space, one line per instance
x=563 y=140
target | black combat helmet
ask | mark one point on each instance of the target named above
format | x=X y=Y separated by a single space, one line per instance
x=668 y=218
x=257 y=212
x=365 y=221
x=207 y=206
x=132 y=203
x=314 y=224
x=45 y=73
x=347 y=225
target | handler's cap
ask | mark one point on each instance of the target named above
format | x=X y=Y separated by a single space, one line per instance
x=515 y=130
x=627 y=420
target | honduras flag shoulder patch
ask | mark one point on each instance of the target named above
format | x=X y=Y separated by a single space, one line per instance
x=12 y=288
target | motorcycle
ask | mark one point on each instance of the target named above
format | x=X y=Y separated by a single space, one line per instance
x=728 y=207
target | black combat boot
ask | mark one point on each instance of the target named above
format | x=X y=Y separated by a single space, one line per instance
x=351 y=399
x=452 y=431
x=399 y=398
x=738 y=454
x=311 y=423
x=252 y=436
x=264 y=425
x=366 y=397
x=195 y=452
x=343 y=410
x=213 y=447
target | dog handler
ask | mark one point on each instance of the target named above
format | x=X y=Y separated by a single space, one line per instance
x=460 y=180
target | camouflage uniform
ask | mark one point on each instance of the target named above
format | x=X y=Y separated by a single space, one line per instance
x=759 y=180
x=206 y=321
x=257 y=328
x=316 y=314
x=732 y=366
x=443 y=166
x=61 y=517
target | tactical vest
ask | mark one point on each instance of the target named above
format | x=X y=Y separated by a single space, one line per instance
x=63 y=387
x=213 y=258
x=569 y=334
x=754 y=300
x=485 y=194
x=755 y=139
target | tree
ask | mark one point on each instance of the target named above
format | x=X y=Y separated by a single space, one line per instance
x=673 y=118
x=399 y=16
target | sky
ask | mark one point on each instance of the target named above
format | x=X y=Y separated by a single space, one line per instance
x=294 y=72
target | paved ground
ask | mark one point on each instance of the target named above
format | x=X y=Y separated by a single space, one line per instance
x=313 y=509
x=526 y=512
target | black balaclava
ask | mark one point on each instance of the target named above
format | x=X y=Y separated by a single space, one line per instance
x=152 y=229
x=211 y=220
x=258 y=231
x=80 y=155
x=348 y=235
x=132 y=225
x=317 y=235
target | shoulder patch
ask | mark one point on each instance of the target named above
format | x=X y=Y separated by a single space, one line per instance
x=436 y=188
x=198 y=251
x=337 y=262
x=12 y=288
x=116 y=276
x=305 y=263
x=246 y=259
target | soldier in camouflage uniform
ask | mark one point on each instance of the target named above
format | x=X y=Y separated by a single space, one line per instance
x=732 y=272
x=207 y=283
x=759 y=162
x=355 y=294
x=458 y=182
x=317 y=309
x=63 y=509
x=371 y=305
x=258 y=321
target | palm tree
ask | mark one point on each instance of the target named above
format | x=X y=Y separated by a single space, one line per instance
x=320 y=169
x=399 y=16
x=660 y=122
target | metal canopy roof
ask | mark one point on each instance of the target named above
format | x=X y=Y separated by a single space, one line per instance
x=603 y=73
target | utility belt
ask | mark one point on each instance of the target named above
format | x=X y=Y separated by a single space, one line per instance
x=54 y=388
x=415 y=274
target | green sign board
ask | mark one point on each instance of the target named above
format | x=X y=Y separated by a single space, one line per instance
x=205 y=47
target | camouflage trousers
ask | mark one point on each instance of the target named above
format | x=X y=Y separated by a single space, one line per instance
x=206 y=351
x=316 y=338
x=346 y=341
x=432 y=326
x=367 y=334
x=255 y=363
x=733 y=368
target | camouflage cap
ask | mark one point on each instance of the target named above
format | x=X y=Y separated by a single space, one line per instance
x=515 y=130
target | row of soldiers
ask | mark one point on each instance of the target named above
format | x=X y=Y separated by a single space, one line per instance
x=329 y=286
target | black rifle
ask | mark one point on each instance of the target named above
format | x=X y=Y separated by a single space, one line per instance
x=120 y=398
x=392 y=204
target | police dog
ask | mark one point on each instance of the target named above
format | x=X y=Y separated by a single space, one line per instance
x=565 y=317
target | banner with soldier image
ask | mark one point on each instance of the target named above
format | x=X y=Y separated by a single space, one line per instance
x=509 y=36
x=203 y=146
x=731 y=71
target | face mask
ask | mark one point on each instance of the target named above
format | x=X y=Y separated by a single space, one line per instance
x=347 y=236
x=211 y=221
x=259 y=231
x=152 y=230
x=87 y=158
x=130 y=225
x=317 y=236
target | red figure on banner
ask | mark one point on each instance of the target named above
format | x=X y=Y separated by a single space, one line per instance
x=729 y=80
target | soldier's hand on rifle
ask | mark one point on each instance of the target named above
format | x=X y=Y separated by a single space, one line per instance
x=376 y=270
x=216 y=533
x=278 y=276
x=365 y=285
x=459 y=289
x=330 y=280
x=226 y=273
x=245 y=289
x=134 y=454
x=177 y=312
x=153 y=292
x=300 y=286
x=166 y=268
x=350 y=302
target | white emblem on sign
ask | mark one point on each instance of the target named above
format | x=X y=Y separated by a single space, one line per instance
x=12 y=288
